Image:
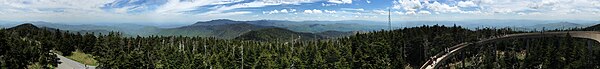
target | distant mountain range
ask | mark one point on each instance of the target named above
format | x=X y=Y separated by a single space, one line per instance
x=229 y=29
x=560 y=25
x=128 y=29
x=223 y=28
x=304 y=26
x=552 y=26
x=224 y=31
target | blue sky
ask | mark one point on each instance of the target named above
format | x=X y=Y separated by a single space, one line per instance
x=189 y=11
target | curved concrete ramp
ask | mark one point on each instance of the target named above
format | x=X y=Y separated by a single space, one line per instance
x=451 y=51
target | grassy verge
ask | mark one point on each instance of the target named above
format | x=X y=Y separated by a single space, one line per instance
x=83 y=58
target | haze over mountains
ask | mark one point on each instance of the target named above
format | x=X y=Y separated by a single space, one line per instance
x=229 y=29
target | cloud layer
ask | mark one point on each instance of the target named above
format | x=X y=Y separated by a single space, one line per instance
x=194 y=10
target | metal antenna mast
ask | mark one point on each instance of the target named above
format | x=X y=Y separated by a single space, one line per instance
x=390 y=18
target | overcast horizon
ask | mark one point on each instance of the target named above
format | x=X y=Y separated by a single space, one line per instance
x=189 y=11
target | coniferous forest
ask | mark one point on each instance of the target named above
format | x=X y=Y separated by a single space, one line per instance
x=26 y=45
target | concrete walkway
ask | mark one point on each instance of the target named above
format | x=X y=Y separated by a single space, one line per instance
x=70 y=64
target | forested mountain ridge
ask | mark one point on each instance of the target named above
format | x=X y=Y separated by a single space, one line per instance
x=30 y=29
x=593 y=28
x=302 y=26
x=26 y=26
x=229 y=29
x=278 y=34
x=214 y=28
x=217 y=22
x=223 y=31
x=26 y=44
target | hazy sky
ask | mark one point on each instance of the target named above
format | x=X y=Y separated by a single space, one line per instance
x=182 y=11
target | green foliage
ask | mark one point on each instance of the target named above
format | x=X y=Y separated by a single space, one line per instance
x=19 y=47
x=278 y=34
x=394 y=49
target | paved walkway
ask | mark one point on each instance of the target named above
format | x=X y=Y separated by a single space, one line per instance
x=70 y=64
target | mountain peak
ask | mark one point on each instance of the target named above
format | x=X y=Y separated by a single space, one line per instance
x=217 y=22
x=26 y=25
x=222 y=20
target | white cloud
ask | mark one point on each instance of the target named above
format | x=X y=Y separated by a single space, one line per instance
x=314 y=11
x=258 y=3
x=567 y=7
x=471 y=12
x=521 y=13
x=408 y=5
x=424 y=12
x=444 y=8
x=284 y=11
x=341 y=1
x=271 y=12
x=411 y=12
x=280 y=11
x=317 y=11
x=179 y=6
x=368 y=1
x=228 y=14
x=466 y=4
x=192 y=10
x=48 y=6
x=399 y=12
x=122 y=10
x=353 y=9
x=381 y=12
x=323 y=4
x=332 y=11
x=308 y=11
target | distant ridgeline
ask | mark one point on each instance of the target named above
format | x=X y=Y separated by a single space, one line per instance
x=593 y=28
x=271 y=47
x=222 y=28
x=229 y=29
